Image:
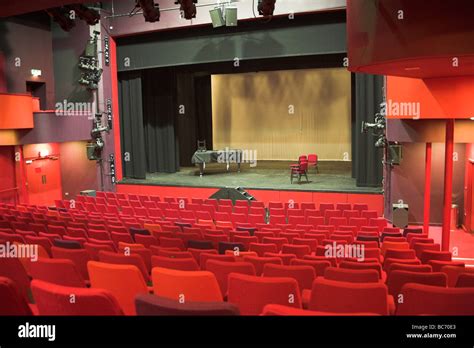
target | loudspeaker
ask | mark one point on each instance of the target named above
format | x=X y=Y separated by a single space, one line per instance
x=395 y=154
x=217 y=17
x=233 y=193
x=400 y=215
x=231 y=16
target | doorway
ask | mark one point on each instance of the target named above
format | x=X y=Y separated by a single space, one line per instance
x=38 y=90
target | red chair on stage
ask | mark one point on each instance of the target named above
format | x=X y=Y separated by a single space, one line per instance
x=313 y=161
x=299 y=170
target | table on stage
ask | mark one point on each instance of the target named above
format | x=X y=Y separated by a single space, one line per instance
x=226 y=156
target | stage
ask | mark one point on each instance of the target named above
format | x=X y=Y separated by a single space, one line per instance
x=333 y=176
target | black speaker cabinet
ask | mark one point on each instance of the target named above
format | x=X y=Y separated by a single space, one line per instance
x=400 y=215
x=395 y=154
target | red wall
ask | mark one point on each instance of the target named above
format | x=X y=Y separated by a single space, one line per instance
x=375 y=201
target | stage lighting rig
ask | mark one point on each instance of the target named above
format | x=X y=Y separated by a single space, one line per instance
x=61 y=16
x=188 y=8
x=378 y=127
x=95 y=147
x=151 y=11
x=89 y=64
x=266 y=7
x=90 y=16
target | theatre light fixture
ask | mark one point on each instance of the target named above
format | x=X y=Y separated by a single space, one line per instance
x=266 y=7
x=61 y=16
x=89 y=15
x=187 y=8
x=151 y=11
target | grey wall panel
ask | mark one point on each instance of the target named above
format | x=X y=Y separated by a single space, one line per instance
x=304 y=40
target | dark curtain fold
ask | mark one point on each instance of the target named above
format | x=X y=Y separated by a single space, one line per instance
x=159 y=113
x=194 y=94
x=203 y=93
x=131 y=130
x=368 y=159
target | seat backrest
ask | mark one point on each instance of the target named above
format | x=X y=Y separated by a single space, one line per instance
x=222 y=269
x=428 y=255
x=453 y=273
x=12 y=301
x=399 y=278
x=400 y=254
x=122 y=259
x=53 y=299
x=79 y=257
x=263 y=290
x=260 y=262
x=204 y=257
x=352 y=275
x=153 y=305
x=408 y=267
x=12 y=268
x=123 y=281
x=178 y=264
x=57 y=271
x=465 y=280
x=303 y=274
x=184 y=286
x=340 y=297
x=421 y=299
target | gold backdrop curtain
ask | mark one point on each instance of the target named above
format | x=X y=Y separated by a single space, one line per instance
x=283 y=114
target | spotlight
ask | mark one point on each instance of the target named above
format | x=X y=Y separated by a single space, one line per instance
x=266 y=7
x=89 y=64
x=61 y=16
x=151 y=11
x=188 y=8
x=92 y=17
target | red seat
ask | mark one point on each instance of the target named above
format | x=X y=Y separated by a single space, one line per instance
x=12 y=268
x=12 y=302
x=303 y=274
x=222 y=269
x=362 y=266
x=93 y=249
x=299 y=250
x=188 y=264
x=398 y=278
x=352 y=275
x=121 y=259
x=408 y=267
x=260 y=262
x=261 y=248
x=264 y=290
x=204 y=257
x=429 y=255
x=343 y=297
x=79 y=257
x=420 y=299
x=53 y=299
x=57 y=271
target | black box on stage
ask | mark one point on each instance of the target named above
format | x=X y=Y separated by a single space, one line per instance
x=233 y=193
x=400 y=215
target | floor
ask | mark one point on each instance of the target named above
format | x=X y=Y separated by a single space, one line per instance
x=460 y=239
x=333 y=176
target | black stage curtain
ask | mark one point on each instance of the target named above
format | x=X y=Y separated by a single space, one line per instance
x=367 y=162
x=159 y=114
x=131 y=120
x=195 y=121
